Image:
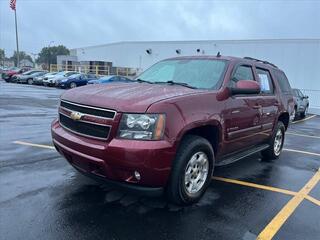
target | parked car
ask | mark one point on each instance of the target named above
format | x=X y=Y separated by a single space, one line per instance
x=24 y=76
x=75 y=80
x=39 y=80
x=51 y=80
x=110 y=79
x=8 y=74
x=183 y=116
x=29 y=76
x=301 y=103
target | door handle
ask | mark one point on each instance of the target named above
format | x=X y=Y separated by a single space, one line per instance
x=276 y=104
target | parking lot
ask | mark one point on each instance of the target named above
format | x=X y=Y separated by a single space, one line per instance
x=43 y=197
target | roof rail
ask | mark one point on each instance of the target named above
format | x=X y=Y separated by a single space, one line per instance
x=262 y=61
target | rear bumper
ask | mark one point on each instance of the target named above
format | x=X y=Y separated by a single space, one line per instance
x=116 y=161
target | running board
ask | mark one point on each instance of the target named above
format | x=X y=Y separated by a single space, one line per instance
x=238 y=156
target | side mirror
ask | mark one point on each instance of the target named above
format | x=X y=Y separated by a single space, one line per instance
x=246 y=87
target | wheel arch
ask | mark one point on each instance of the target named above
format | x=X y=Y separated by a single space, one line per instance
x=285 y=118
x=211 y=131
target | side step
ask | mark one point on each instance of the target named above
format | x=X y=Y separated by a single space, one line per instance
x=238 y=156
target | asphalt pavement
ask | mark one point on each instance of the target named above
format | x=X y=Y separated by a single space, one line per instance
x=43 y=197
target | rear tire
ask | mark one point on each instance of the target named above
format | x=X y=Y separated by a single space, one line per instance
x=276 y=143
x=73 y=85
x=191 y=171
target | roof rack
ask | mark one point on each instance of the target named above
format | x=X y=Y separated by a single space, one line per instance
x=262 y=61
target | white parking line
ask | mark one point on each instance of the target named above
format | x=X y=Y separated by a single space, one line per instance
x=302 y=135
x=299 y=151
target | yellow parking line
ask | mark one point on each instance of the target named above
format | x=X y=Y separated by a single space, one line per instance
x=299 y=151
x=313 y=200
x=33 y=145
x=302 y=135
x=254 y=185
x=228 y=180
x=305 y=119
x=273 y=227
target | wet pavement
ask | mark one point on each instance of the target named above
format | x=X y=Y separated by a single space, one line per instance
x=42 y=196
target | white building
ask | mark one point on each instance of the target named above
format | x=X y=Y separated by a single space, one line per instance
x=299 y=58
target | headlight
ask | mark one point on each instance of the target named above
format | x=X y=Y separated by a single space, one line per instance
x=142 y=126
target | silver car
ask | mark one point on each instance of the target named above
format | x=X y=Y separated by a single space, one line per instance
x=28 y=78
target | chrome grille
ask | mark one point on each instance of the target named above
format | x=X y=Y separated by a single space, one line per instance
x=87 y=125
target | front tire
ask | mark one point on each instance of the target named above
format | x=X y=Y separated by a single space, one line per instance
x=30 y=81
x=276 y=143
x=191 y=171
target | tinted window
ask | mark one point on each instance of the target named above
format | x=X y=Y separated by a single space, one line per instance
x=241 y=73
x=283 y=82
x=265 y=81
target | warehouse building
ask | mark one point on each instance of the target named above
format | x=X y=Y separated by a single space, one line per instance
x=299 y=58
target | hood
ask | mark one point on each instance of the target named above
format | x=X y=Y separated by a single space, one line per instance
x=93 y=81
x=125 y=97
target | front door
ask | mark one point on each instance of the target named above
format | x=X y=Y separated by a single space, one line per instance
x=242 y=117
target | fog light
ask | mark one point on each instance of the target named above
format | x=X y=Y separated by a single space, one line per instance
x=137 y=175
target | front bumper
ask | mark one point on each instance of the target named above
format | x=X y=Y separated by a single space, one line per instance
x=116 y=160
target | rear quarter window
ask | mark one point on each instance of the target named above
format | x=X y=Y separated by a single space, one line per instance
x=283 y=82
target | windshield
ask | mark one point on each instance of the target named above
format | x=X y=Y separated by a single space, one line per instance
x=105 y=78
x=29 y=72
x=69 y=74
x=198 y=73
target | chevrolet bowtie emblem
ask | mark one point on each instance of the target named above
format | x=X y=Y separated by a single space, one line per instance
x=76 y=116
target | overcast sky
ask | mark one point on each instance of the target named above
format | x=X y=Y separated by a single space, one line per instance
x=91 y=22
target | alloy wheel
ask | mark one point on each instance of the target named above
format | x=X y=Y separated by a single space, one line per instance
x=278 y=142
x=196 y=172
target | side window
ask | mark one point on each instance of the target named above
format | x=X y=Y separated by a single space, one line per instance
x=265 y=81
x=283 y=82
x=241 y=73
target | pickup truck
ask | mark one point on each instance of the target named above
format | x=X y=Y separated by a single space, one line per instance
x=165 y=132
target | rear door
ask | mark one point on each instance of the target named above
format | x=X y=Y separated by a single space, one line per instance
x=242 y=114
x=268 y=101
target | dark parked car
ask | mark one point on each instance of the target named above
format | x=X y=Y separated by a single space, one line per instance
x=301 y=103
x=28 y=77
x=110 y=79
x=75 y=80
x=167 y=131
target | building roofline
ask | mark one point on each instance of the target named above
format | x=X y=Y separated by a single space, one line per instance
x=205 y=41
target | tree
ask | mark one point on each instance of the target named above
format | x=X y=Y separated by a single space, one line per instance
x=48 y=55
x=2 y=55
x=22 y=55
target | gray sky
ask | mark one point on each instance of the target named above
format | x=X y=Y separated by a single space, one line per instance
x=91 y=22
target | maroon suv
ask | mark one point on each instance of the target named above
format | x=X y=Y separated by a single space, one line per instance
x=165 y=131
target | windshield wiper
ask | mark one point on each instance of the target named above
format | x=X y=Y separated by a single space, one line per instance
x=143 y=81
x=178 y=83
